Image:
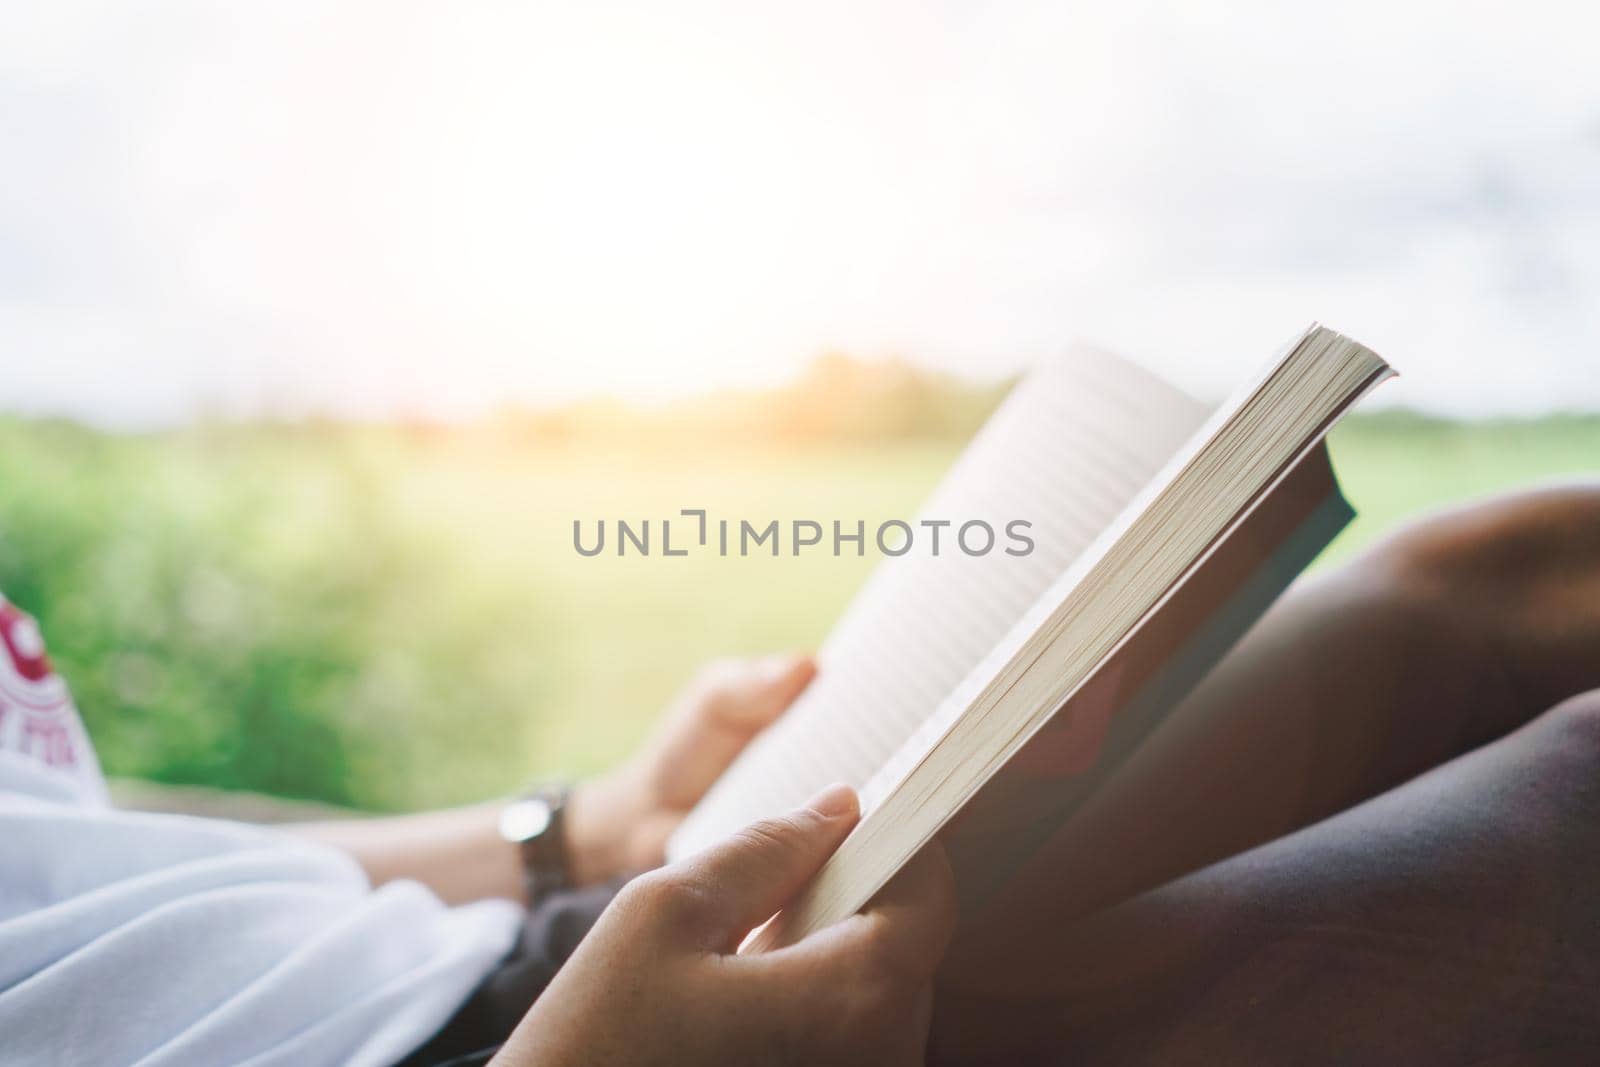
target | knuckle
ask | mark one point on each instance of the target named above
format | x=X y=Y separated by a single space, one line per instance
x=712 y=687
x=635 y=900
x=666 y=896
x=714 y=674
x=779 y=834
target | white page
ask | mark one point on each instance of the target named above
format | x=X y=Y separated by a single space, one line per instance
x=1075 y=441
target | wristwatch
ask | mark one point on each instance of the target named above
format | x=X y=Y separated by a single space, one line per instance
x=535 y=824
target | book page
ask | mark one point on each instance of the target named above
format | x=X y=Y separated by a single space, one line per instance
x=1073 y=443
x=1139 y=563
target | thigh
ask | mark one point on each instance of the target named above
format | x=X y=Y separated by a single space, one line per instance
x=1453 y=920
x=1448 y=635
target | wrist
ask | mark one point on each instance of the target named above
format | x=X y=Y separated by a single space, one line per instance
x=601 y=814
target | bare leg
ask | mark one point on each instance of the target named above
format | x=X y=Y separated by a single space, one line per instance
x=1453 y=920
x=1447 y=636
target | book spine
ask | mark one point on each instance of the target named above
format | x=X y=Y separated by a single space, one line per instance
x=1026 y=802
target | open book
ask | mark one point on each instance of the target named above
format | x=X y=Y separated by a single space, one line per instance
x=1006 y=688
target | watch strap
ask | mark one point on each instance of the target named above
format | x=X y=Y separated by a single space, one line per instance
x=546 y=867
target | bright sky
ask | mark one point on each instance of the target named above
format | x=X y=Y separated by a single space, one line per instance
x=444 y=207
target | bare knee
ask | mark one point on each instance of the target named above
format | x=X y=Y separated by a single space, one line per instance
x=1570 y=732
x=1506 y=540
x=1541 y=787
x=1523 y=570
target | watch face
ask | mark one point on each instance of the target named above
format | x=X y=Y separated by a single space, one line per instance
x=524 y=820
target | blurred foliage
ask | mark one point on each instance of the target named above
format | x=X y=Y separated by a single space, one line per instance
x=249 y=608
x=392 y=616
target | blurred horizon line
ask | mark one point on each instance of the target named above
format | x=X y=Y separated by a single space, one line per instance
x=835 y=395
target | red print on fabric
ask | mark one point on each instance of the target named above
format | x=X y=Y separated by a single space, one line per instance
x=35 y=709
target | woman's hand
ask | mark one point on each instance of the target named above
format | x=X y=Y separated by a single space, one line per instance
x=657 y=980
x=620 y=823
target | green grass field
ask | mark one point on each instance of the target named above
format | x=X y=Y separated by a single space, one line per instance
x=392 y=619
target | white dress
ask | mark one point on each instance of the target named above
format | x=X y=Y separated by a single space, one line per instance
x=171 y=941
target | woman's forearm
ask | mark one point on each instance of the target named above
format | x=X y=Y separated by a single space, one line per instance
x=457 y=853
x=460 y=855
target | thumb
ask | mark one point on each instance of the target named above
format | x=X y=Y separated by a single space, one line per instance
x=740 y=883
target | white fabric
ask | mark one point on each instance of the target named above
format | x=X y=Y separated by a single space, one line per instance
x=170 y=941
x=37 y=717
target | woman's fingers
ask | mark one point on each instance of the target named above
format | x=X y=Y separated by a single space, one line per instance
x=747 y=695
x=915 y=914
x=718 y=896
x=902 y=933
x=726 y=705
